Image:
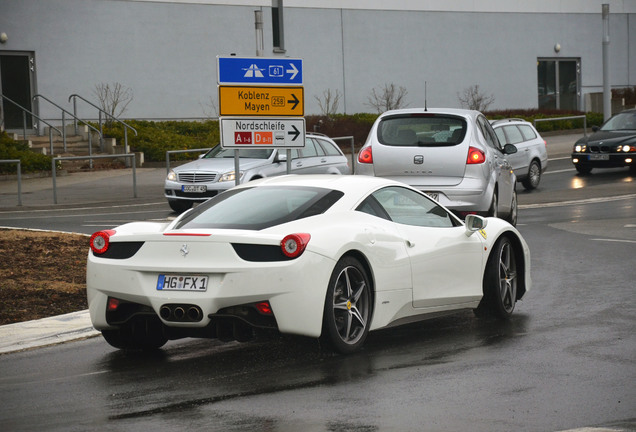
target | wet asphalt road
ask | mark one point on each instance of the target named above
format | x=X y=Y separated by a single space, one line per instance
x=566 y=360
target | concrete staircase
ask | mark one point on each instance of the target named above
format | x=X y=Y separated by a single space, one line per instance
x=78 y=145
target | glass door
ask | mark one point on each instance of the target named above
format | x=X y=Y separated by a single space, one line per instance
x=558 y=83
x=16 y=84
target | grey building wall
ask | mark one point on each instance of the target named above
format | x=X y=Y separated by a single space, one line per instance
x=166 y=51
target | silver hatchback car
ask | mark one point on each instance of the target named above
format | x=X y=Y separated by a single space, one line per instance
x=213 y=172
x=531 y=159
x=453 y=155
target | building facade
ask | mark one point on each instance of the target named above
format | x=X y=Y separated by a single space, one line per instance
x=525 y=54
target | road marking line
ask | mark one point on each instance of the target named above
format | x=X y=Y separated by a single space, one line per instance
x=614 y=240
x=578 y=202
x=559 y=158
x=559 y=171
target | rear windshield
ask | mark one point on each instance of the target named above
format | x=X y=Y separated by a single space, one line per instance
x=421 y=130
x=260 y=207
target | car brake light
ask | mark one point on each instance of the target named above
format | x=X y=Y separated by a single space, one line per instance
x=264 y=307
x=475 y=156
x=365 y=156
x=112 y=304
x=294 y=245
x=100 y=241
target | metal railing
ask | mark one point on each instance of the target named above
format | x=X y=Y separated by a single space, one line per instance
x=24 y=113
x=101 y=127
x=8 y=161
x=76 y=119
x=169 y=152
x=565 y=118
x=55 y=159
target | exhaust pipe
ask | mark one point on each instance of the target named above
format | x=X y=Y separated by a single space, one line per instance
x=195 y=314
x=181 y=313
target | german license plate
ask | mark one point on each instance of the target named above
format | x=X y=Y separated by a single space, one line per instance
x=167 y=282
x=433 y=195
x=599 y=157
x=194 y=188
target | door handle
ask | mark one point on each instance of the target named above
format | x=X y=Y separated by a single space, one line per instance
x=409 y=243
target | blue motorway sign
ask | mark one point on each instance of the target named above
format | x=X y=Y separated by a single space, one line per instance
x=260 y=70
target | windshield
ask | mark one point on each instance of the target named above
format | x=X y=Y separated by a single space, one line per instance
x=220 y=152
x=259 y=207
x=620 y=122
x=421 y=130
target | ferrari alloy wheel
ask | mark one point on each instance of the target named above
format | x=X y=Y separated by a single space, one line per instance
x=500 y=281
x=534 y=176
x=348 y=306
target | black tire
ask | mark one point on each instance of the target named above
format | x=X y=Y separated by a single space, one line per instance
x=347 y=312
x=514 y=210
x=583 y=169
x=534 y=176
x=500 y=281
x=141 y=335
x=180 y=206
x=493 y=211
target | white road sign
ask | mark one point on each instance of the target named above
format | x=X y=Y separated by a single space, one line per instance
x=262 y=132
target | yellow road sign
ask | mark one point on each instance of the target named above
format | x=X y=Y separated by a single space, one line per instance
x=261 y=101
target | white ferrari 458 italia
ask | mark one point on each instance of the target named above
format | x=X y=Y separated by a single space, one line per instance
x=330 y=257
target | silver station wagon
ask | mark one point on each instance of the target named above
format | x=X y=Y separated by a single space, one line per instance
x=213 y=173
x=453 y=155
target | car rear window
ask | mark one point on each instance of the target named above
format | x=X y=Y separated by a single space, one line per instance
x=421 y=130
x=258 y=208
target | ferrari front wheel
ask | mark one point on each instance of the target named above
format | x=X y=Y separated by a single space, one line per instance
x=500 y=281
x=347 y=311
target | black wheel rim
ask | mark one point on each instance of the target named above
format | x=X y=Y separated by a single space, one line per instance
x=507 y=278
x=351 y=305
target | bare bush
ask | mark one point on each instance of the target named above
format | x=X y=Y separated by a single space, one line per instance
x=472 y=98
x=113 y=99
x=388 y=98
x=210 y=109
x=329 y=102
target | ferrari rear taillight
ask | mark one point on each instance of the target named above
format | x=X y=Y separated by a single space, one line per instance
x=100 y=241
x=294 y=245
x=365 y=156
x=475 y=156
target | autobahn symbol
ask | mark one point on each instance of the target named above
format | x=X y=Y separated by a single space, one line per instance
x=260 y=70
x=261 y=101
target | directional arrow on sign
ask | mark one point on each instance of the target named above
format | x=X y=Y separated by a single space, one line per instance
x=293 y=71
x=294 y=133
x=293 y=101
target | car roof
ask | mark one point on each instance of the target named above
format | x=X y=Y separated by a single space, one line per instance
x=454 y=111
x=501 y=122
x=345 y=183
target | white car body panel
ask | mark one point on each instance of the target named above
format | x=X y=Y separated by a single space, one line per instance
x=414 y=270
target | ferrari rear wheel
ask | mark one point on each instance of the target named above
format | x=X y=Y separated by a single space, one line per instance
x=140 y=335
x=500 y=281
x=347 y=311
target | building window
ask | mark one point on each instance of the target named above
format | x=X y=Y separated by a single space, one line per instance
x=278 y=33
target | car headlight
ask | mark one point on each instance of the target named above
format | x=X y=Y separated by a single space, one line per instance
x=229 y=176
x=580 y=148
x=172 y=176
